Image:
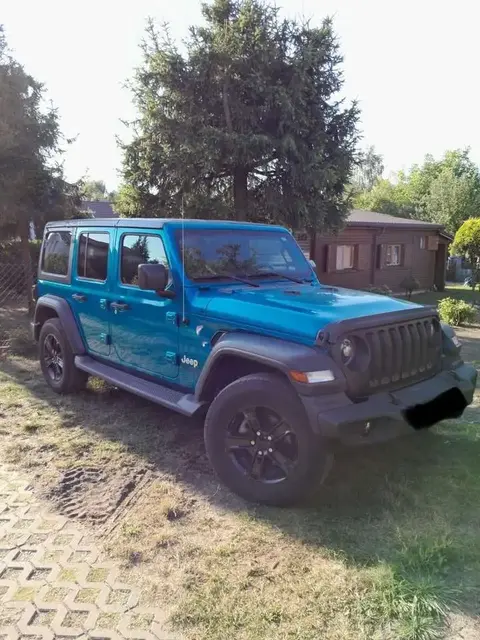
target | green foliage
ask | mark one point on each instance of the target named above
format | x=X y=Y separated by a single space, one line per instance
x=456 y=312
x=128 y=202
x=385 y=197
x=94 y=190
x=368 y=171
x=467 y=243
x=32 y=187
x=409 y=284
x=245 y=124
x=412 y=593
x=445 y=191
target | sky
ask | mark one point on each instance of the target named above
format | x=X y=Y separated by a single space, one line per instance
x=412 y=65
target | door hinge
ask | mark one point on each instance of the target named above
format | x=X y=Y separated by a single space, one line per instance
x=106 y=338
x=171 y=357
x=172 y=318
x=103 y=303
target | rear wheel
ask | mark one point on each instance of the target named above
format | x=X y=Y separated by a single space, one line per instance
x=57 y=360
x=259 y=442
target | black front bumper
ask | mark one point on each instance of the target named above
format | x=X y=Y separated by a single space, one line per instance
x=384 y=415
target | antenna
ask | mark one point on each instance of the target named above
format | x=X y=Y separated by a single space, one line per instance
x=183 y=263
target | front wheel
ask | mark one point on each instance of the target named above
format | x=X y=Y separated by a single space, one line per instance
x=259 y=442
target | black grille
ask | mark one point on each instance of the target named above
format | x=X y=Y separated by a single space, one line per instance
x=394 y=355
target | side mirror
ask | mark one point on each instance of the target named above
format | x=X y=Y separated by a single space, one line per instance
x=312 y=264
x=153 y=277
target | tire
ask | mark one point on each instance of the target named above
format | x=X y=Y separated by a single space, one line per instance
x=57 y=359
x=254 y=470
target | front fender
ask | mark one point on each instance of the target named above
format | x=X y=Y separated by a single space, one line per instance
x=273 y=353
x=64 y=312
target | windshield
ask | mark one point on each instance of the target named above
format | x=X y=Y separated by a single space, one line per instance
x=211 y=253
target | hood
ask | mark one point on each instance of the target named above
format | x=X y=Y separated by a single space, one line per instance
x=294 y=310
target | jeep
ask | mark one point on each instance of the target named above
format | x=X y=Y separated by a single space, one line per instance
x=228 y=320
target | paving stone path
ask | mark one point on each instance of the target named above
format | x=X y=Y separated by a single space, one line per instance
x=54 y=582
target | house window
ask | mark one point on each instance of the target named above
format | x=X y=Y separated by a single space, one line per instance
x=423 y=243
x=56 y=253
x=345 y=257
x=393 y=256
x=93 y=256
x=137 y=250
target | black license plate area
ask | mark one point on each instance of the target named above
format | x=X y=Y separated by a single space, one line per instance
x=449 y=404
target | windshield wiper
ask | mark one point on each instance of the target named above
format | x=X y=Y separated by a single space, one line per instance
x=220 y=275
x=269 y=272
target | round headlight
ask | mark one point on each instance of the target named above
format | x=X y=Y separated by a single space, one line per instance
x=347 y=350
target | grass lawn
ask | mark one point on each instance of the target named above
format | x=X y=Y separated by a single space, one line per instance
x=387 y=549
x=456 y=291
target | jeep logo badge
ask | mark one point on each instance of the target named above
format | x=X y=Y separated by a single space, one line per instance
x=189 y=361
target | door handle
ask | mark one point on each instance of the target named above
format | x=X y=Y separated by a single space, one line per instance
x=118 y=307
x=79 y=297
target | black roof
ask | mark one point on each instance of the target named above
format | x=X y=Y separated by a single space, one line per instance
x=361 y=218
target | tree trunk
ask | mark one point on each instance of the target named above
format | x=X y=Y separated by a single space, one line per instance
x=240 y=192
x=23 y=231
x=240 y=174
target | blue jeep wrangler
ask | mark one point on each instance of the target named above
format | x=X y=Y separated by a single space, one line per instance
x=230 y=319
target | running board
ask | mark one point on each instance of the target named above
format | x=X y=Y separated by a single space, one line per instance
x=185 y=404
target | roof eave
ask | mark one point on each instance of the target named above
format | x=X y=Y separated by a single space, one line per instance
x=394 y=225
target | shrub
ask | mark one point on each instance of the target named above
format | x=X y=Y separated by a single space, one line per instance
x=409 y=284
x=456 y=312
x=382 y=290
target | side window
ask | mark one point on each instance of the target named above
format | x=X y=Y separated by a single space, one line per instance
x=93 y=256
x=56 y=253
x=345 y=257
x=393 y=255
x=140 y=249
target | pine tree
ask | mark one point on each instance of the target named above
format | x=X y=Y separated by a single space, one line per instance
x=245 y=124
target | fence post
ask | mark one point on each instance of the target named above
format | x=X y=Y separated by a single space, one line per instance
x=27 y=264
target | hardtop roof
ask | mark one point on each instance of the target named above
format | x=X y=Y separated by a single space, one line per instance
x=158 y=223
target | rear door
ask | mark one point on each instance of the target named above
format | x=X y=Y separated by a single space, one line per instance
x=144 y=326
x=90 y=286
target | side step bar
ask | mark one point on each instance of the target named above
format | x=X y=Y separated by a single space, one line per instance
x=185 y=404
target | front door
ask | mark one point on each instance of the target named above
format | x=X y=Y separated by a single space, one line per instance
x=144 y=326
x=89 y=287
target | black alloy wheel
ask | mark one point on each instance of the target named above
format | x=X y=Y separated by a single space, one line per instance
x=53 y=358
x=262 y=444
x=57 y=359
